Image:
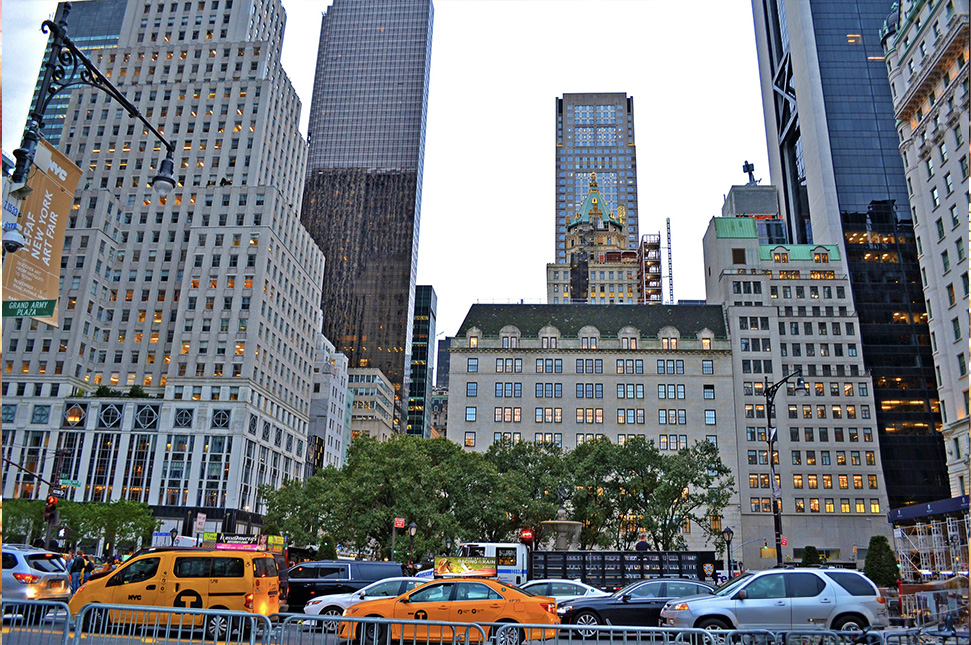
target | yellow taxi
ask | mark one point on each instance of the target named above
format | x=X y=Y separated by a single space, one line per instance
x=455 y=600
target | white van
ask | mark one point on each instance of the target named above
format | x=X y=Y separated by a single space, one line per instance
x=511 y=558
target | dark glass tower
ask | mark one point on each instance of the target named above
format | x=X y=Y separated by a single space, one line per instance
x=422 y=360
x=362 y=199
x=833 y=153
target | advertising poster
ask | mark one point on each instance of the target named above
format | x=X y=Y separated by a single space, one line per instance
x=446 y=567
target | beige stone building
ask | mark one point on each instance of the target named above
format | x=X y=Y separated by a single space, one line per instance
x=572 y=373
x=789 y=309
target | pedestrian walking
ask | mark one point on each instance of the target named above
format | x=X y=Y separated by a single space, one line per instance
x=642 y=544
x=77 y=570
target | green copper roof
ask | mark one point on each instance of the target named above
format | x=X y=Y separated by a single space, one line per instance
x=799 y=251
x=735 y=227
x=594 y=204
x=608 y=319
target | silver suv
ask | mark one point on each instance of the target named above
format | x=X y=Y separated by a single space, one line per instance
x=803 y=598
x=34 y=574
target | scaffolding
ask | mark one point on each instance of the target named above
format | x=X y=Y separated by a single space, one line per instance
x=933 y=549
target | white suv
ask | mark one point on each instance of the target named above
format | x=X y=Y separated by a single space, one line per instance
x=803 y=598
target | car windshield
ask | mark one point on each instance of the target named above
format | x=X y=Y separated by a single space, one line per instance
x=525 y=592
x=732 y=585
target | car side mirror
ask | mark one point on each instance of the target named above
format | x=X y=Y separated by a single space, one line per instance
x=406 y=598
x=360 y=594
x=741 y=595
x=625 y=597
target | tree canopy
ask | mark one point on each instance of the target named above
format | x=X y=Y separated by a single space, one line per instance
x=615 y=491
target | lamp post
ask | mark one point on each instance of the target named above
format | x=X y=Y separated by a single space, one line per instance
x=66 y=67
x=769 y=392
x=412 y=529
x=448 y=546
x=728 y=534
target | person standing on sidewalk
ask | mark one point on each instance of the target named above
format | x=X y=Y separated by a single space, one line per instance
x=77 y=570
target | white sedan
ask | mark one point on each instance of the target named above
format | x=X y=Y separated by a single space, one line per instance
x=335 y=604
x=562 y=589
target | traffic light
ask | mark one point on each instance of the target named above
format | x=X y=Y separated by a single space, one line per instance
x=50 y=509
x=526 y=536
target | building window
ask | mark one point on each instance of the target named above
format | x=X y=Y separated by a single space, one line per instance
x=709 y=417
x=470 y=440
x=470 y=413
x=707 y=366
x=473 y=365
x=471 y=388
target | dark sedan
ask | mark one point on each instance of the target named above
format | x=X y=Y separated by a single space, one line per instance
x=636 y=605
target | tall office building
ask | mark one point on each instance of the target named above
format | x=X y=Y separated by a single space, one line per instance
x=833 y=154
x=362 y=202
x=790 y=309
x=93 y=26
x=206 y=300
x=595 y=134
x=422 y=361
x=927 y=58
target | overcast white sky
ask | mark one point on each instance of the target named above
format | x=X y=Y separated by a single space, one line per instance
x=497 y=68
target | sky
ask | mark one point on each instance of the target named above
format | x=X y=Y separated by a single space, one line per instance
x=487 y=216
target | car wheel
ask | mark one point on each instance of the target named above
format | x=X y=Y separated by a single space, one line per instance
x=850 y=623
x=711 y=624
x=587 y=619
x=330 y=626
x=507 y=635
x=371 y=634
x=216 y=626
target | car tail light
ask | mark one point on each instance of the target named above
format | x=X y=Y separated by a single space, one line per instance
x=26 y=578
x=881 y=600
x=549 y=606
x=248 y=601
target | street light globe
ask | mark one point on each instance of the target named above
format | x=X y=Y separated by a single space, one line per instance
x=412 y=529
x=164 y=181
x=728 y=534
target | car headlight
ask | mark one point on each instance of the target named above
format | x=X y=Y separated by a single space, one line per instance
x=315 y=601
x=562 y=609
x=677 y=607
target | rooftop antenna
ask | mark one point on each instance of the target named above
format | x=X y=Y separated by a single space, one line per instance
x=750 y=169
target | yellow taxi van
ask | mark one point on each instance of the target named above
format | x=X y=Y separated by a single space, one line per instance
x=186 y=578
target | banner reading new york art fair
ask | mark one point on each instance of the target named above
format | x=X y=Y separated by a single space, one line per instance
x=31 y=275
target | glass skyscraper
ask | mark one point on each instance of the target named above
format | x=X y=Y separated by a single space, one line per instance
x=595 y=134
x=422 y=360
x=833 y=152
x=362 y=199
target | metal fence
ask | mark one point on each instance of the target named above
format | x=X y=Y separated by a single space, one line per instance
x=50 y=623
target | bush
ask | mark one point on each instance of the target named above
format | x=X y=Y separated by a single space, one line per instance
x=810 y=556
x=881 y=564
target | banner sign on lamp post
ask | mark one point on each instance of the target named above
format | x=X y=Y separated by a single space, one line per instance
x=31 y=276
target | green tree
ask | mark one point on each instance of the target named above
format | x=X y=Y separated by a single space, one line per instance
x=666 y=491
x=594 y=491
x=23 y=519
x=810 y=556
x=533 y=474
x=881 y=565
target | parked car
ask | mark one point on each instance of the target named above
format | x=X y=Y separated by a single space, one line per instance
x=34 y=574
x=561 y=589
x=309 y=580
x=335 y=604
x=636 y=605
x=798 y=598
x=462 y=600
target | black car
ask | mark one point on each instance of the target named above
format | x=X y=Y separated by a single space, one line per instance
x=636 y=605
x=311 y=579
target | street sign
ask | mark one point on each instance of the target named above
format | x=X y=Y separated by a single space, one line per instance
x=70 y=482
x=58 y=492
x=200 y=522
x=785 y=542
x=399 y=522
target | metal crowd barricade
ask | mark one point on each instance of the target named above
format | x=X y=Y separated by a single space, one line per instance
x=305 y=629
x=35 y=622
x=97 y=623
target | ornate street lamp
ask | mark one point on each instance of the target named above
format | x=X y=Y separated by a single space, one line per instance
x=728 y=534
x=66 y=67
x=770 y=391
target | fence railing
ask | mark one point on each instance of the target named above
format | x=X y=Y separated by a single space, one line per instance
x=50 y=623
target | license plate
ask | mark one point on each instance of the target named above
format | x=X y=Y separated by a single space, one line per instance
x=55 y=584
